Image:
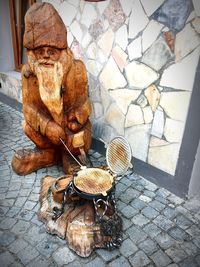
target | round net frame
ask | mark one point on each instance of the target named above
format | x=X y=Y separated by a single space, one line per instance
x=118 y=155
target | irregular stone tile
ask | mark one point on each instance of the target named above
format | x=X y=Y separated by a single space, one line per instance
x=164 y=157
x=138 y=20
x=196 y=24
x=150 y=34
x=153 y=96
x=111 y=77
x=86 y=40
x=89 y=14
x=148 y=115
x=196 y=5
x=134 y=116
x=138 y=138
x=139 y=75
x=115 y=15
x=74 y=2
x=170 y=39
x=191 y=16
x=173 y=130
x=135 y=48
x=158 y=124
x=96 y=28
x=126 y=6
x=76 y=31
x=157 y=55
x=121 y=37
x=174 y=13
x=115 y=118
x=77 y=50
x=124 y=97
x=67 y=12
x=102 y=6
x=105 y=98
x=106 y=42
x=181 y=74
x=120 y=57
x=154 y=141
x=186 y=41
x=92 y=51
x=175 y=104
x=98 y=110
x=142 y=101
x=93 y=67
x=70 y=38
x=101 y=57
x=150 y=6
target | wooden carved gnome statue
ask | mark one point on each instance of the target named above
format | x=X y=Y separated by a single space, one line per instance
x=55 y=94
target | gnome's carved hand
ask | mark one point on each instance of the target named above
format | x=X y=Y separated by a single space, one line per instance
x=54 y=132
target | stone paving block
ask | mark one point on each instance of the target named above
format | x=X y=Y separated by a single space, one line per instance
x=75 y=263
x=138 y=204
x=63 y=256
x=3 y=210
x=163 y=222
x=152 y=230
x=194 y=230
x=126 y=181
x=98 y=262
x=148 y=246
x=7 y=238
x=16 y=264
x=13 y=211
x=6 y=259
x=197 y=258
x=170 y=213
x=161 y=199
x=25 y=192
x=145 y=198
x=176 y=253
x=175 y=199
x=150 y=212
x=29 y=205
x=128 y=248
x=190 y=248
x=17 y=245
x=40 y=262
x=179 y=234
x=126 y=223
x=34 y=197
x=160 y=258
x=34 y=235
x=28 y=254
x=36 y=221
x=140 y=220
x=119 y=262
x=129 y=212
x=46 y=247
x=107 y=255
x=196 y=241
x=20 y=201
x=150 y=186
x=164 y=240
x=12 y=194
x=120 y=205
x=129 y=195
x=183 y=222
x=189 y=263
x=7 y=202
x=20 y=227
x=149 y=193
x=7 y=223
x=140 y=259
x=25 y=215
x=136 y=234
x=157 y=205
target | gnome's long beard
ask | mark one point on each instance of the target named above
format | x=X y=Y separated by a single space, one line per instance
x=50 y=81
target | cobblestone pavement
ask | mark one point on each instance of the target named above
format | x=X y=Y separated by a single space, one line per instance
x=160 y=229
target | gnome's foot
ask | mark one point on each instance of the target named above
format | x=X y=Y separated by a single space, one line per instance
x=26 y=161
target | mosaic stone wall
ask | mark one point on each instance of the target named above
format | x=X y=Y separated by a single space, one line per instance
x=141 y=57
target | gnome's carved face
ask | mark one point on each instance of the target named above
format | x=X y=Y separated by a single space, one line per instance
x=47 y=53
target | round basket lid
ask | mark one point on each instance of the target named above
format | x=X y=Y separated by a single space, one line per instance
x=118 y=155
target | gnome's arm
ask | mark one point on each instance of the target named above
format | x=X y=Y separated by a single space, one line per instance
x=81 y=109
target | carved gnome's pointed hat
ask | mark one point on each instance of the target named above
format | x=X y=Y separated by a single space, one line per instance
x=44 y=27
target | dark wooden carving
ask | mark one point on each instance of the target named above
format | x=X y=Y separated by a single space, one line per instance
x=55 y=94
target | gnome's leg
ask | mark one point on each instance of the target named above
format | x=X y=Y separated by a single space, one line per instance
x=28 y=160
